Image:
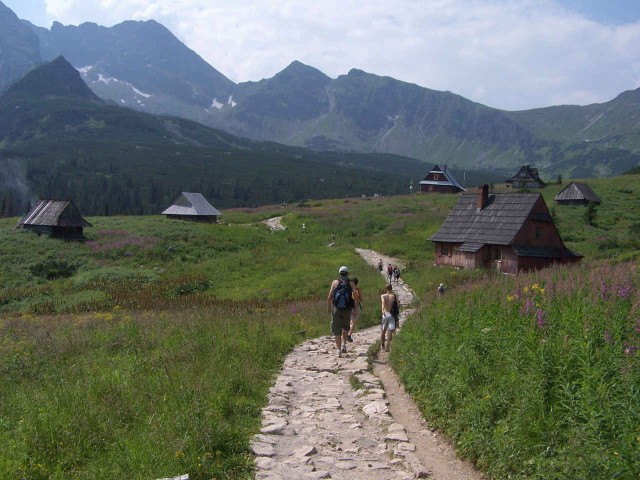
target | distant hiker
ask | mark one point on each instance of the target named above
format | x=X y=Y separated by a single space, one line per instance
x=342 y=297
x=388 y=321
x=441 y=289
x=380 y=266
x=333 y=236
x=389 y=273
x=396 y=273
x=357 y=308
x=395 y=310
x=303 y=227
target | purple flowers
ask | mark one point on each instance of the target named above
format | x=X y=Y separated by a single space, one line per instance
x=110 y=240
x=528 y=305
x=624 y=292
x=603 y=290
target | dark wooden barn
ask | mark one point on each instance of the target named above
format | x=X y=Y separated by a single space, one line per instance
x=577 y=194
x=441 y=181
x=193 y=207
x=527 y=177
x=55 y=218
x=508 y=232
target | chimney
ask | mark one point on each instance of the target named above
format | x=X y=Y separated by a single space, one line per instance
x=483 y=194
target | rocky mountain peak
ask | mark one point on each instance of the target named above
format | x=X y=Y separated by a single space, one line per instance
x=56 y=79
x=19 y=49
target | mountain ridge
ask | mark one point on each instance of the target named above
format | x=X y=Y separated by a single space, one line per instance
x=355 y=112
x=70 y=144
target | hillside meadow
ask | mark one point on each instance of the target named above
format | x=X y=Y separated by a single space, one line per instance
x=147 y=351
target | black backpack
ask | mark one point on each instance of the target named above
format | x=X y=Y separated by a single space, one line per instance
x=343 y=294
x=395 y=308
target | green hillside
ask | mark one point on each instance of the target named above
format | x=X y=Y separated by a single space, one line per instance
x=115 y=347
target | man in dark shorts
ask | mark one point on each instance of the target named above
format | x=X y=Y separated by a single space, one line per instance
x=341 y=317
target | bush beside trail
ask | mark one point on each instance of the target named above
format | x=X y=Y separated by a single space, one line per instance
x=534 y=376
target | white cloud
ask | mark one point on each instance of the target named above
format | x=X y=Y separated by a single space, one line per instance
x=506 y=54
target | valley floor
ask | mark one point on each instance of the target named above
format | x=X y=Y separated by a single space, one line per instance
x=317 y=425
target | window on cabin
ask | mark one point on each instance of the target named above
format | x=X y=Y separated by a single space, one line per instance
x=444 y=249
x=436 y=176
x=538 y=233
x=498 y=254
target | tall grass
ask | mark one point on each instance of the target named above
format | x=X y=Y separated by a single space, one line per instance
x=534 y=376
x=140 y=395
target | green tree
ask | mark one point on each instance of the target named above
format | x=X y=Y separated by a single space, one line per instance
x=590 y=214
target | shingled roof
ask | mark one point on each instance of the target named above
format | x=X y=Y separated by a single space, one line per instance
x=54 y=213
x=446 y=180
x=577 y=191
x=189 y=203
x=497 y=223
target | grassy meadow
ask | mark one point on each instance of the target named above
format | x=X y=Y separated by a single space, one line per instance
x=148 y=350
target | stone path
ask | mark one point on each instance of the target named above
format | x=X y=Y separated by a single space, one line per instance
x=328 y=417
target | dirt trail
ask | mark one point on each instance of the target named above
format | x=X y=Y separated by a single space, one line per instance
x=328 y=417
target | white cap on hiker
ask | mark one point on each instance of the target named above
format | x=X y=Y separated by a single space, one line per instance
x=343 y=269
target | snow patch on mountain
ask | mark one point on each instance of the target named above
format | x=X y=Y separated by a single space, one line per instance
x=111 y=80
x=85 y=70
x=216 y=104
x=142 y=94
x=231 y=102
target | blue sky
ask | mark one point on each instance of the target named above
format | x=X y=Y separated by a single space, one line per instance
x=510 y=54
x=614 y=12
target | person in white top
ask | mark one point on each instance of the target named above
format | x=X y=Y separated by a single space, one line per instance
x=388 y=321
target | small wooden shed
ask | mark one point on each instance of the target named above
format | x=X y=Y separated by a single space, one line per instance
x=55 y=218
x=441 y=181
x=193 y=207
x=577 y=193
x=527 y=177
x=508 y=232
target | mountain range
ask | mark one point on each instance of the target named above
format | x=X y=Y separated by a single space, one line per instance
x=142 y=65
x=58 y=139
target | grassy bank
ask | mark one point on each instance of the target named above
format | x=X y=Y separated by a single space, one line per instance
x=535 y=376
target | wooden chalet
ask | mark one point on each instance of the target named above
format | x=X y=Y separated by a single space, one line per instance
x=193 y=207
x=577 y=194
x=508 y=232
x=527 y=177
x=441 y=181
x=55 y=218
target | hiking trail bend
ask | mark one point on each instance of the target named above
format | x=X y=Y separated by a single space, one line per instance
x=316 y=425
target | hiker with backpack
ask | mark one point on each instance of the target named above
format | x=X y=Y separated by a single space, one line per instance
x=357 y=308
x=396 y=273
x=390 y=316
x=389 y=273
x=343 y=295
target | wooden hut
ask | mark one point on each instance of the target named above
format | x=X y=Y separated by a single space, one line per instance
x=577 y=194
x=193 y=207
x=55 y=218
x=527 y=177
x=508 y=232
x=441 y=181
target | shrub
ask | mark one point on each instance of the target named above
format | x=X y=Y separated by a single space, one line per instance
x=52 y=268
